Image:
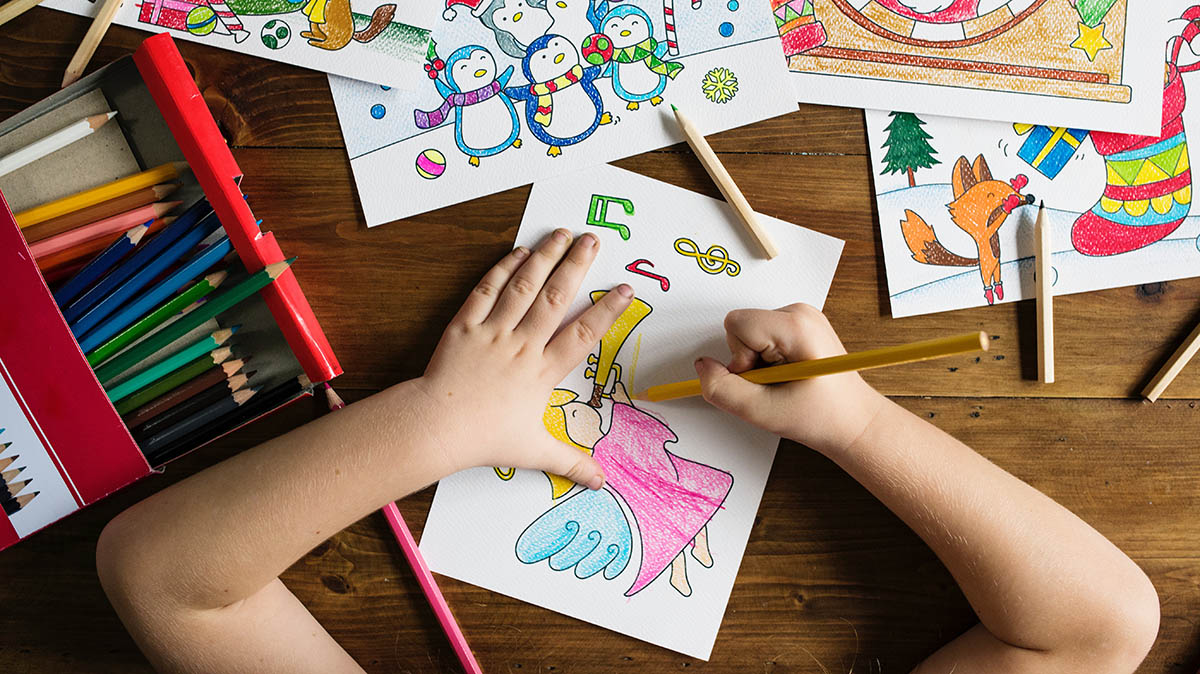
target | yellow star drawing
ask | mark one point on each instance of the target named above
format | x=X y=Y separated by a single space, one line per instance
x=1091 y=40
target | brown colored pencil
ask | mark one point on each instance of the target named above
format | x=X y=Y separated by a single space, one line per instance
x=102 y=210
x=8 y=475
x=224 y=373
x=11 y=506
x=50 y=264
x=6 y=462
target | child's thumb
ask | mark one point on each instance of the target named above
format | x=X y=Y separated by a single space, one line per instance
x=572 y=463
x=723 y=389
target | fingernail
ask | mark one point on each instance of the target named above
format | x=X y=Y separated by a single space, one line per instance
x=560 y=235
x=588 y=240
x=625 y=290
x=698 y=364
x=520 y=252
x=596 y=482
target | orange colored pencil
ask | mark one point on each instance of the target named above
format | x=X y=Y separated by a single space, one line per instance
x=102 y=229
x=50 y=265
x=63 y=223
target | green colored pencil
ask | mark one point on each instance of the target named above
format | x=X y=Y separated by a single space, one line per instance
x=143 y=349
x=166 y=366
x=177 y=378
x=156 y=317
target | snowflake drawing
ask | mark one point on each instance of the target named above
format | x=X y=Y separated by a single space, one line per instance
x=720 y=85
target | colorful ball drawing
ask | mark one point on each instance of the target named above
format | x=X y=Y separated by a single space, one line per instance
x=733 y=5
x=431 y=164
x=378 y=111
x=276 y=34
x=201 y=20
x=726 y=29
x=597 y=49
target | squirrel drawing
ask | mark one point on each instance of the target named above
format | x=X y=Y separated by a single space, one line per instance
x=331 y=25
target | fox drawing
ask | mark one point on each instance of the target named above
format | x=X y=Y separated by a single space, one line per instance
x=980 y=207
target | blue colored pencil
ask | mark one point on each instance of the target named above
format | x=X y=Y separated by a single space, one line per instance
x=141 y=258
x=197 y=265
x=100 y=264
x=142 y=278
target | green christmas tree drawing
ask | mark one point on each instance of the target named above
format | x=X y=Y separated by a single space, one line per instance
x=907 y=146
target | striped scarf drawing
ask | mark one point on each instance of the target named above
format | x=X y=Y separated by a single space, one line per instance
x=543 y=91
x=432 y=118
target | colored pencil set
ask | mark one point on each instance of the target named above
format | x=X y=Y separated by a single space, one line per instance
x=143 y=301
x=13 y=495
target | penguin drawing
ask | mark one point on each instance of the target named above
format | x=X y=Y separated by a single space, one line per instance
x=485 y=120
x=638 y=70
x=516 y=23
x=575 y=19
x=562 y=104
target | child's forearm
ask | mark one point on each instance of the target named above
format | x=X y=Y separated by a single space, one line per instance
x=1038 y=577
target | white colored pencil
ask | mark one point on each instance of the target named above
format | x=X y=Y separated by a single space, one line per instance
x=1045 y=298
x=53 y=143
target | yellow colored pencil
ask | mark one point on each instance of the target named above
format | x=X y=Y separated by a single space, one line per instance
x=102 y=193
x=850 y=362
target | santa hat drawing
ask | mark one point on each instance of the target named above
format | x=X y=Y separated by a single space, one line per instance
x=477 y=7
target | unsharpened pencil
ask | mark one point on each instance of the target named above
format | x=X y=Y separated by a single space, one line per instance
x=214 y=306
x=206 y=398
x=1044 y=271
x=91 y=40
x=15 y=8
x=208 y=347
x=144 y=256
x=194 y=369
x=100 y=264
x=11 y=506
x=106 y=209
x=729 y=189
x=214 y=377
x=198 y=420
x=850 y=362
x=54 y=142
x=74 y=259
x=104 y=229
x=100 y=194
x=146 y=323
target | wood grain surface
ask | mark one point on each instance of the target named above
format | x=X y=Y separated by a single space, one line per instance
x=831 y=581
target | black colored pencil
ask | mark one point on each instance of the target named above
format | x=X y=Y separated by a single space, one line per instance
x=8 y=461
x=197 y=421
x=202 y=400
x=12 y=505
x=11 y=489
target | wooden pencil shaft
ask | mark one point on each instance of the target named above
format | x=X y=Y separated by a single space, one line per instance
x=104 y=229
x=51 y=143
x=15 y=8
x=1044 y=271
x=91 y=40
x=212 y=344
x=96 y=195
x=1174 y=365
x=729 y=189
x=197 y=421
x=76 y=255
x=105 y=209
x=850 y=362
x=72 y=222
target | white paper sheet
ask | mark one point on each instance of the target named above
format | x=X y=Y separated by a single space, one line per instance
x=480 y=523
x=1035 y=60
x=733 y=74
x=1116 y=218
x=356 y=39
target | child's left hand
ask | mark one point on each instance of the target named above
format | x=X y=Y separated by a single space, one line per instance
x=495 y=366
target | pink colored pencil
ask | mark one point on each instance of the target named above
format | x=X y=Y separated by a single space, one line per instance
x=433 y=594
x=110 y=226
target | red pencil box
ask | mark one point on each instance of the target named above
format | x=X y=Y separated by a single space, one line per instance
x=67 y=435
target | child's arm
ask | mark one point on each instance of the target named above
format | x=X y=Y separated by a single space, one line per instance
x=193 y=570
x=1051 y=593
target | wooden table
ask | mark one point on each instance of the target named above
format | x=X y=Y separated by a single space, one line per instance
x=831 y=581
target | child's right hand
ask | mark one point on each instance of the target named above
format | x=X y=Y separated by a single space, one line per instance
x=827 y=413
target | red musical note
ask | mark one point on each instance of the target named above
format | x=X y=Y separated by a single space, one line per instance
x=662 y=280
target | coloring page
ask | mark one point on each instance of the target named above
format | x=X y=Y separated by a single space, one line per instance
x=372 y=40
x=957 y=199
x=653 y=554
x=521 y=90
x=1079 y=63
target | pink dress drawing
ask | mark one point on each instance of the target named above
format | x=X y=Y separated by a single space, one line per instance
x=671 y=498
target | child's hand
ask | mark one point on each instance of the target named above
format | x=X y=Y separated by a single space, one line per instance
x=826 y=413
x=492 y=373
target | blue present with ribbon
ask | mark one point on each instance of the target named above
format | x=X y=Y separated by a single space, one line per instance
x=1048 y=148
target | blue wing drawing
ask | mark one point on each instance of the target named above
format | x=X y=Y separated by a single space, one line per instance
x=587 y=531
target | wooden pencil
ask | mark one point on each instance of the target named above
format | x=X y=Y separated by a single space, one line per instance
x=11 y=489
x=13 y=505
x=93 y=270
x=53 y=142
x=729 y=189
x=204 y=399
x=1045 y=297
x=8 y=475
x=8 y=461
x=103 y=229
x=210 y=347
x=106 y=209
x=148 y=322
x=1174 y=365
x=91 y=40
x=214 y=306
x=200 y=366
x=15 y=8
x=100 y=194
x=76 y=257
x=180 y=394
x=198 y=420
x=850 y=362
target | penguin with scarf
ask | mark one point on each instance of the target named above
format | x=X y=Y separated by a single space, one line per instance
x=638 y=68
x=485 y=120
x=560 y=89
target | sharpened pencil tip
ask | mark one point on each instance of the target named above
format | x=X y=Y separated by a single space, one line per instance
x=673 y=108
x=233 y=330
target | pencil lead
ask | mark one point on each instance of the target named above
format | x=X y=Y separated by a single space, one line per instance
x=673 y=108
x=233 y=330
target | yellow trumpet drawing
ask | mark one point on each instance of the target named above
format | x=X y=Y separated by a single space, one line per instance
x=603 y=363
